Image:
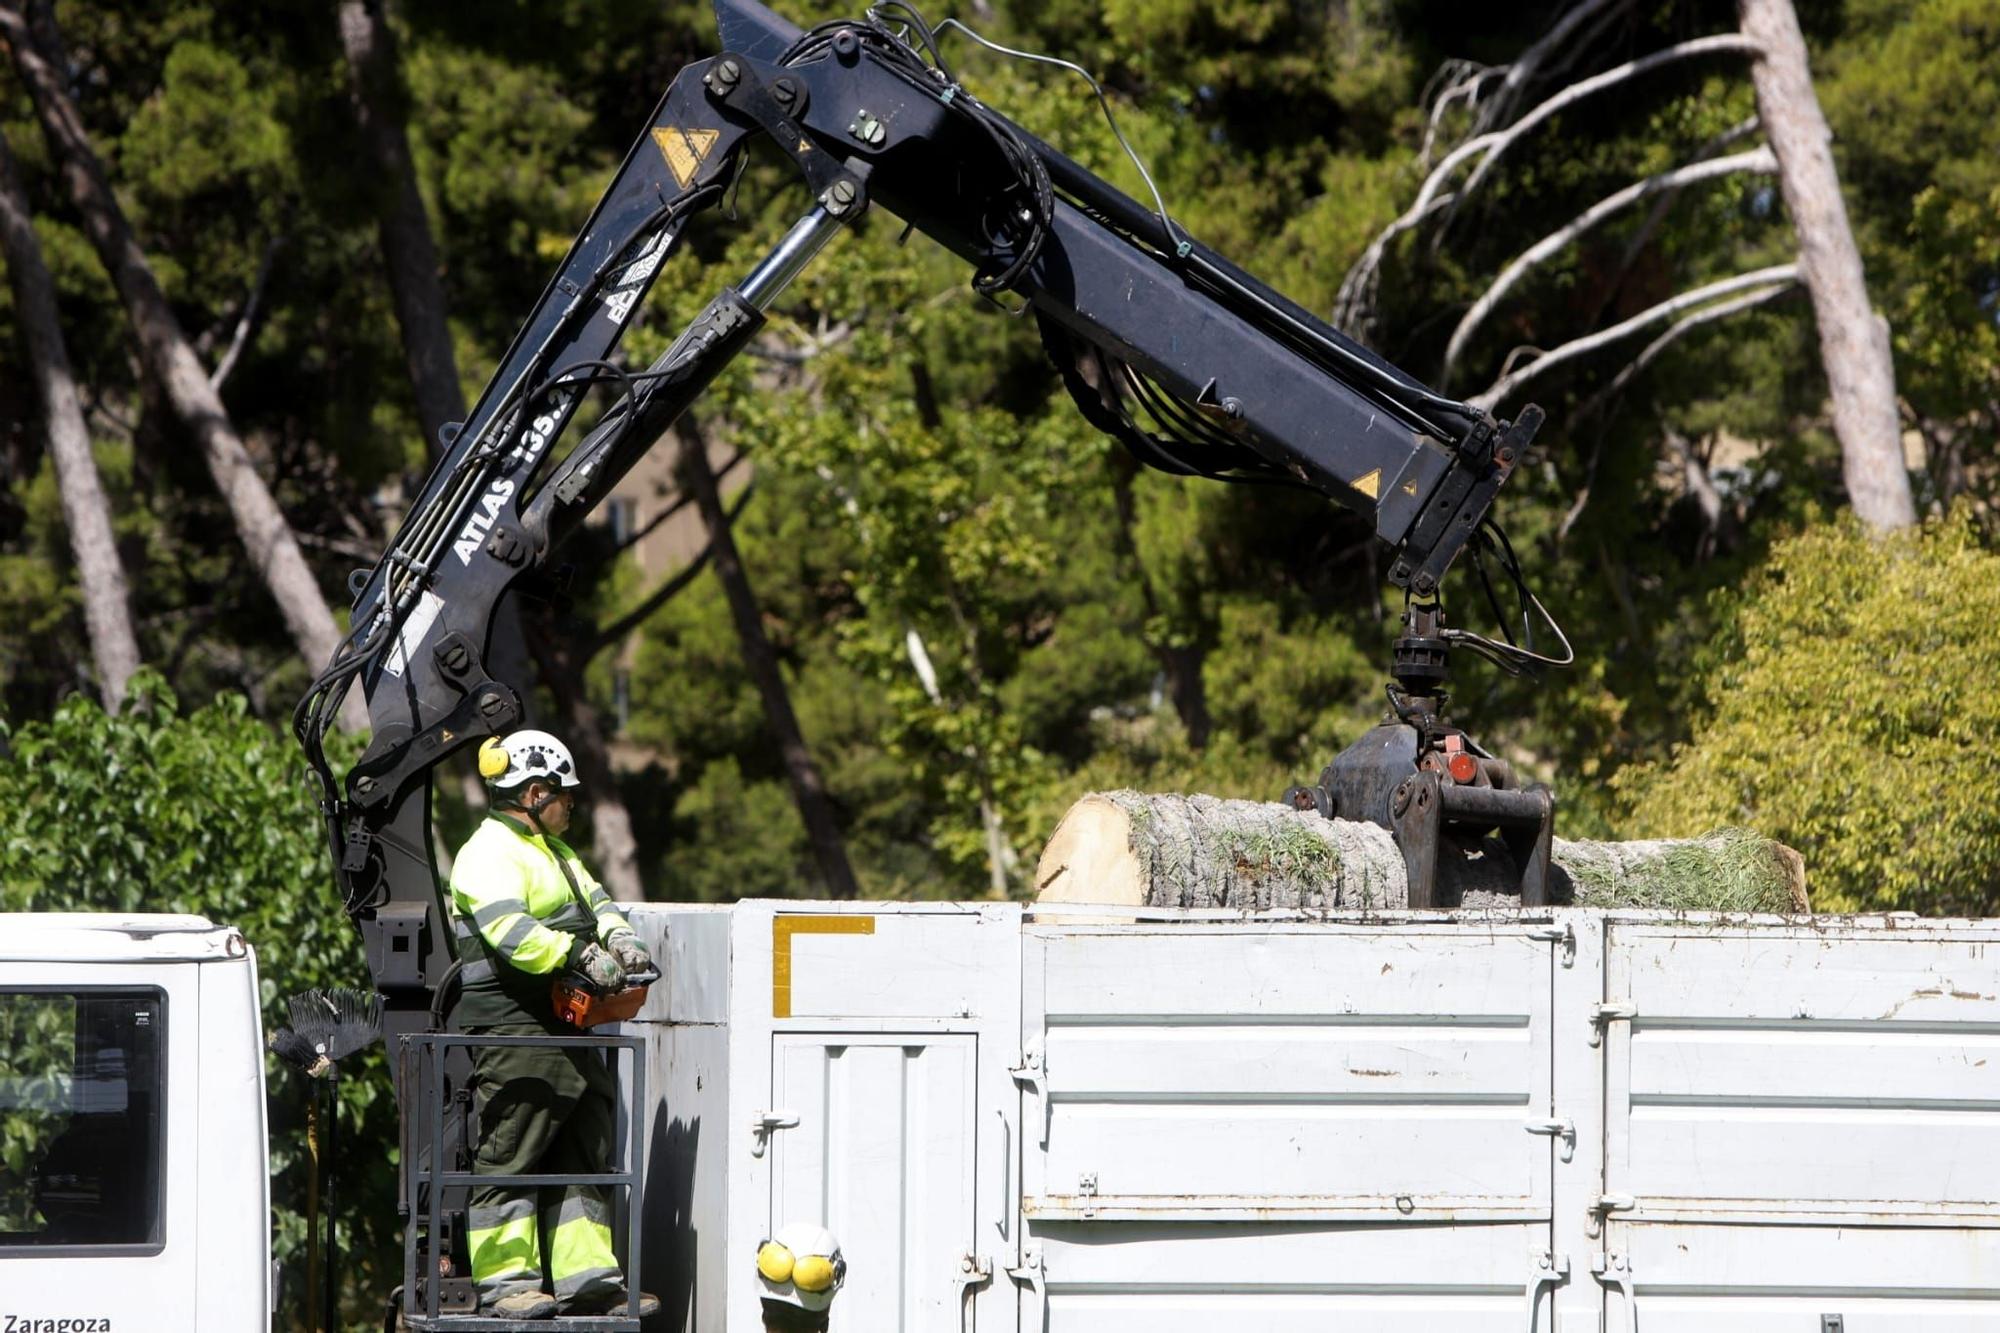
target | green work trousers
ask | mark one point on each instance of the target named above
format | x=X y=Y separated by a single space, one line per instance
x=541 y=1110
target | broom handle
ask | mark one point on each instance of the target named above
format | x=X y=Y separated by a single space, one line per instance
x=332 y=1167
x=312 y=1208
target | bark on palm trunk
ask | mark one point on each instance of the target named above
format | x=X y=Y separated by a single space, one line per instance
x=107 y=612
x=1853 y=339
x=170 y=359
x=815 y=808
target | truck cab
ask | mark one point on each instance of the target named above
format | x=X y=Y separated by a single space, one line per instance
x=134 y=1181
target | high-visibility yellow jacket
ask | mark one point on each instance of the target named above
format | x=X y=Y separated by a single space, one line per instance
x=516 y=919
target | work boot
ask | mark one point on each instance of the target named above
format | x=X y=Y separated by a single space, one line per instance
x=523 y=1305
x=612 y=1301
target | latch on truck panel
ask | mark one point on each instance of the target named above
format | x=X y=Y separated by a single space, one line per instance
x=1559 y=1127
x=1605 y=1205
x=1563 y=934
x=763 y=1123
x=1604 y=1015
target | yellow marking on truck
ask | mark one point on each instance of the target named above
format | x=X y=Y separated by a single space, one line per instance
x=783 y=927
x=1369 y=483
x=685 y=150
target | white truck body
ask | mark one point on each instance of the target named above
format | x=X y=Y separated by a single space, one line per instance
x=1042 y=1123
x=133 y=1083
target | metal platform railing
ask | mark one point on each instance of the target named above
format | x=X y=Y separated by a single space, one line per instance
x=425 y=1183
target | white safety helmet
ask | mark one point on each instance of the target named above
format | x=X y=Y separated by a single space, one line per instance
x=801 y=1266
x=508 y=762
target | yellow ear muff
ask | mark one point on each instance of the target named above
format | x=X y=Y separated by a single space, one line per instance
x=813 y=1273
x=774 y=1261
x=492 y=758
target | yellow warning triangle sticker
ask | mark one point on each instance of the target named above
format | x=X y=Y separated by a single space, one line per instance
x=1410 y=488
x=1369 y=484
x=685 y=150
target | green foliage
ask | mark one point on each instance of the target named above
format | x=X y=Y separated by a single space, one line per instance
x=153 y=810
x=1848 y=706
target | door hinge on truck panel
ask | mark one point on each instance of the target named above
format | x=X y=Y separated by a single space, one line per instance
x=1604 y=1015
x=1034 y=1277
x=1030 y=1075
x=1031 y=1274
x=1550 y=1270
x=973 y=1271
x=1614 y=1270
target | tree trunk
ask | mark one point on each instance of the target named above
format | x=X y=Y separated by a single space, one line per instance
x=407 y=247
x=1853 y=339
x=107 y=612
x=169 y=358
x=1132 y=849
x=1179 y=664
x=815 y=808
x=561 y=669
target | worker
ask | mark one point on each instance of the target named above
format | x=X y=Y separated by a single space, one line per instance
x=525 y=912
x=800 y=1269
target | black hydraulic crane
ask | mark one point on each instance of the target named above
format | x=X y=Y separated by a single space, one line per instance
x=1193 y=364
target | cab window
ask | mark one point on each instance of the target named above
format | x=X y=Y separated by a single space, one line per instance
x=81 y=1117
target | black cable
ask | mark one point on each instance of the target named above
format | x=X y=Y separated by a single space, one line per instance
x=922 y=29
x=1169 y=409
x=1521 y=659
x=1512 y=564
x=1029 y=204
x=1476 y=548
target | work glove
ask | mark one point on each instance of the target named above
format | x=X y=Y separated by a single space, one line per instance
x=599 y=968
x=631 y=954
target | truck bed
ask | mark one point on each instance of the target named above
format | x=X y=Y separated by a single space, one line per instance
x=1050 y=1120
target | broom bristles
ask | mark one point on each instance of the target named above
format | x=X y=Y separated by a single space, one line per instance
x=337 y=1022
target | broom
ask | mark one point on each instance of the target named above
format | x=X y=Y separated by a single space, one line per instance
x=334 y=1024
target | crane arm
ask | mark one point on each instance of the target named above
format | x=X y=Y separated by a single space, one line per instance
x=1195 y=365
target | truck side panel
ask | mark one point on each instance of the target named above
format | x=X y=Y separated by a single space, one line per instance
x=1173 y=1122
x=1295 y=1126
x=686 y=1027
x=233 y=1272
x=1803 y=1121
